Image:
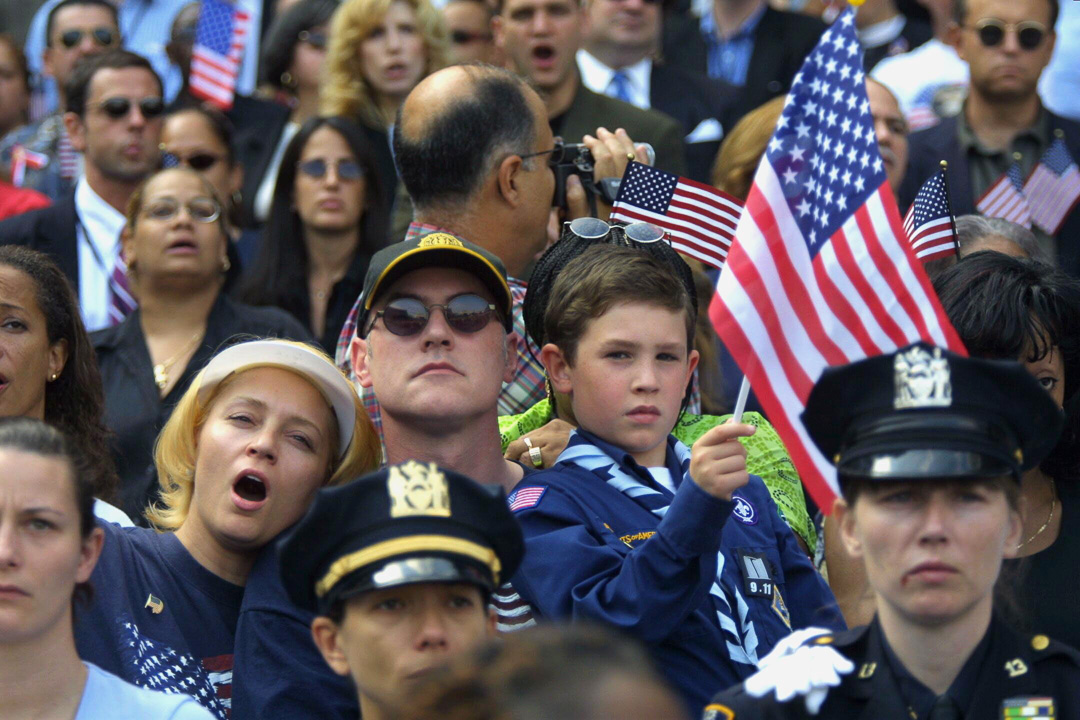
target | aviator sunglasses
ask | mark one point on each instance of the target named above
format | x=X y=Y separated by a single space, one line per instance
x=1029 y=33
x=103 y=37
x=118 y=107
x=590 y=228
x=407 y=316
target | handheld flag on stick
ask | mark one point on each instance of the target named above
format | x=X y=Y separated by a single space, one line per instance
x=821 y=272
x=699 y=218
x=929 y=223
x=220 y=36
x=1053 y=188
x=1005 y=198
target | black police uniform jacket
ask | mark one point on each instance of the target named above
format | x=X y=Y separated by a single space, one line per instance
x=1014 y=667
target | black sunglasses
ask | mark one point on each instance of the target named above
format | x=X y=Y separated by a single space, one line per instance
x=407 y=316
x=1029 y=33
x=198 y=161
x=103 y=37
x=347 y=170
x=118 y=107
x=464 y=37
x=314 y=39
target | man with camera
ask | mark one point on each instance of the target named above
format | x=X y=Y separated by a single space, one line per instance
x=541 y=38
x=493 y=185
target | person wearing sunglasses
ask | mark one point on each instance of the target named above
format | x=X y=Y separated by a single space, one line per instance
x=468 y=23
x=176 y=243
x=1006 y=46
x=114 y=109
x=327 y=219
x=76 y=29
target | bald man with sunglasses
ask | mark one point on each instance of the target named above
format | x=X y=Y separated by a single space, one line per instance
x=1006 y=45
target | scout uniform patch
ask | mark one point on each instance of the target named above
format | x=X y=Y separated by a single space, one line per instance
x=757 y=575
x=743 y=511
x=780 y=607
x=526 y=497
x=1027 y=707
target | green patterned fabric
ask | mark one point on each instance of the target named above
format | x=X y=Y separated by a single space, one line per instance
x=766 y=457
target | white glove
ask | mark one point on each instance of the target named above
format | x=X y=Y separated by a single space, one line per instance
x=790 y=644
x=807 y=671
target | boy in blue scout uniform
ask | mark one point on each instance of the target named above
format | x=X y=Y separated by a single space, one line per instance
x=929 y=447
x=681 y=549
x=399 y=567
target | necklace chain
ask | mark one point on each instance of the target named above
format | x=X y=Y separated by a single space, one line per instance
x=1049 y=518
x=161 y=370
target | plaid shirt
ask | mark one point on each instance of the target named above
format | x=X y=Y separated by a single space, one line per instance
x=518 y=395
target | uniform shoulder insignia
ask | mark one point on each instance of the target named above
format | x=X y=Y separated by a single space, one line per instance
x=526 y=497
x=1046 y=648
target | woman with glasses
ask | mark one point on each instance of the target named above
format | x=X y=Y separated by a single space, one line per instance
x=176 y=245
x=293 y=55
x=379 y=50
x=327 y=219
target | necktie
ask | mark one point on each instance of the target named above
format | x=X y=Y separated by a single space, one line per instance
x=619 y=87
x=945 y=709
x=121 y=301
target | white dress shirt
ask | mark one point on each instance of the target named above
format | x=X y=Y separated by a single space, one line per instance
x=597 y=77
x=98 y=243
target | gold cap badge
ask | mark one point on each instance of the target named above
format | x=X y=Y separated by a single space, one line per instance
x=418 y=489
x=440 y=240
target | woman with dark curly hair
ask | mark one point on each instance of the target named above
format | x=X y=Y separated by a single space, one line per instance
x=47 y=365
x=327 y=219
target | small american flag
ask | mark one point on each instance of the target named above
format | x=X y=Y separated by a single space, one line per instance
x=219 y=48
x=821 y=272
x=1053 y=188
x=699 y=219
x=929 y=222
x=1005 y=199
x=526 y=497
x=21 y=159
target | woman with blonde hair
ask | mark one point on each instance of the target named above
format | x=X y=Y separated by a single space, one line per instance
x=379 y=51
x=260 y=429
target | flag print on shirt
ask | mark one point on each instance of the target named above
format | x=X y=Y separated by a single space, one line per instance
x=159 y=667
x=525 y=498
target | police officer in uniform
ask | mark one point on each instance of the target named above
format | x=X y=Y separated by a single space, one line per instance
x=398 y=567
x=929 y=447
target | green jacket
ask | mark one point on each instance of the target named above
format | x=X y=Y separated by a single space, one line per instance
x=766 y=457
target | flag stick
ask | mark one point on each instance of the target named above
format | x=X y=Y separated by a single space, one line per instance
x=948 y=201
x=740 y=402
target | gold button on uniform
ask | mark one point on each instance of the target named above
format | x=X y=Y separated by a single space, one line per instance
x=1040 y=642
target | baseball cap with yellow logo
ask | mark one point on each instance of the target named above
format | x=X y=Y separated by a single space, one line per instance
x=437 y=249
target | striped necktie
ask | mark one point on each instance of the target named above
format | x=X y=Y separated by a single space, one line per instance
x=121 y=300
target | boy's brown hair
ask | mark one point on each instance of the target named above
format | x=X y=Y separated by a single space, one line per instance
x=602 y=277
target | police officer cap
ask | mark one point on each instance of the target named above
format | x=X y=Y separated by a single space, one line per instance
x=404 y=524
x=925 y=412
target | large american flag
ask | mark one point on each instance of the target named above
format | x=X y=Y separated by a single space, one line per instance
x=699 y=219
x=219 y=48
x=1005 y=199
x=929 y=222
x=1053 y=188
x=821 y=272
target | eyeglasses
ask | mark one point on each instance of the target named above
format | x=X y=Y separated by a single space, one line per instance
x=590 y=228
x=119 y=107
x=312 y=38
x=407 y=316
x=347 y=170
x=198 y=161
x=201 y=209
x=103 y=36
x=557 y=149
x=464 y=37
x=1029 y=33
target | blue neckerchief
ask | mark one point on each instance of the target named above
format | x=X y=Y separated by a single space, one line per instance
x=615 y=466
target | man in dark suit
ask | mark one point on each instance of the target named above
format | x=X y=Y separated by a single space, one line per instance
x=541 y=38
x=114 y=108
x=1002 y=118
x=620 y=41
x=745 y=43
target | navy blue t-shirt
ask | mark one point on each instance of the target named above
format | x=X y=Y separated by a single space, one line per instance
x=159 y=619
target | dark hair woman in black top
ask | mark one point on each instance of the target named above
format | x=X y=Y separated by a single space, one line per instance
x=327 y=218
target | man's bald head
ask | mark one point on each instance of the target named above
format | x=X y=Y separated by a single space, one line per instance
x=456 y=126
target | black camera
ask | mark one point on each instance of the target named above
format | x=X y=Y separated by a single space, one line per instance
x=575 y=159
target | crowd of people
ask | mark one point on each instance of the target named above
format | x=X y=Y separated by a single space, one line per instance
x=348 y=398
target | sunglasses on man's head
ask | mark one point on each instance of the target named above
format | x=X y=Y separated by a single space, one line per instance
x=1029 y=33
x=347 y=170
x=103 y=36
x=407 y=316
x=118 y=107
x=198 y=161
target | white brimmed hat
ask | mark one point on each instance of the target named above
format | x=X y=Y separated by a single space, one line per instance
x=262 y=353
